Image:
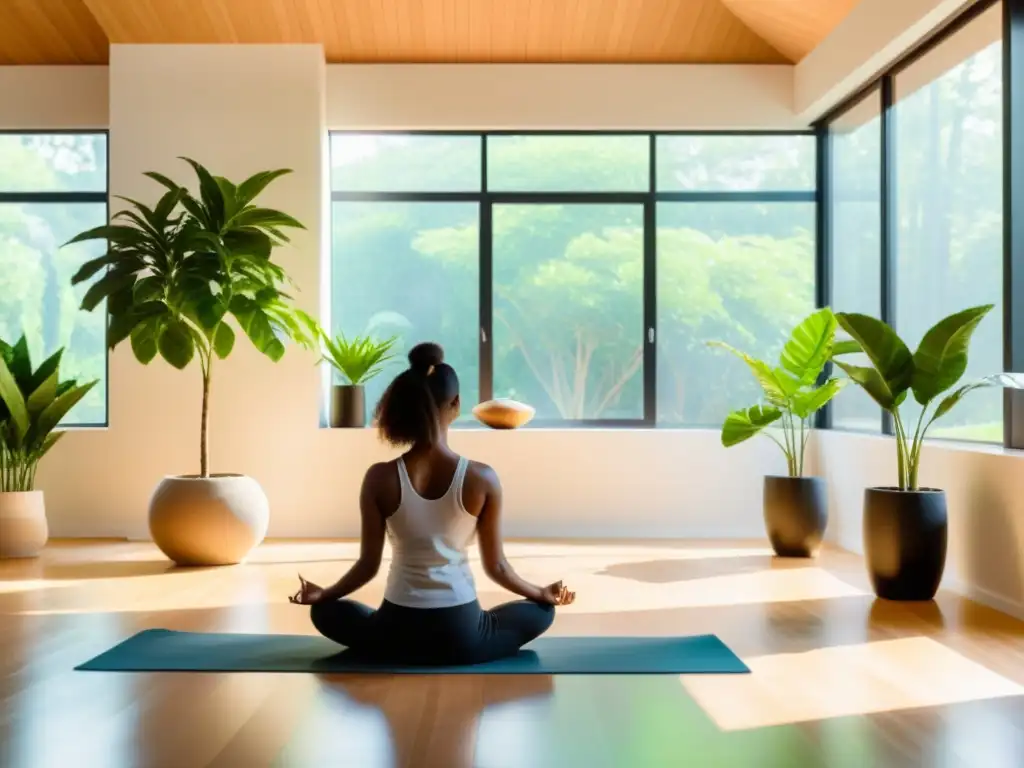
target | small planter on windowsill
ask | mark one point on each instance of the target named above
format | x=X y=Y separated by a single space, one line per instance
x=348 y=406
x=356 y=360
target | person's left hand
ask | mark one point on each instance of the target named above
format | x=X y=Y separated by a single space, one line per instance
x=308 y=594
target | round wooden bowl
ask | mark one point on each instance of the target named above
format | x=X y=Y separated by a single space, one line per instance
x=503 y=413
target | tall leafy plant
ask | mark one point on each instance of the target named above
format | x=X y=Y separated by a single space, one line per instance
x=358 y=359
x=32 y=403
x=937 y=365
x=791 y=390
x=182 y=275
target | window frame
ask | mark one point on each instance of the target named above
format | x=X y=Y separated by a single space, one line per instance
x=1013 y=188
x=648 y=199
x=73 y=197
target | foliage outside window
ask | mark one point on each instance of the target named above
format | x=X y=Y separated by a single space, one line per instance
x=52 y=186
x=565 y=228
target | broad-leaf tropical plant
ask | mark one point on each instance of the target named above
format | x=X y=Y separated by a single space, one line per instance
x=791 y=389
x=182 y=275
x=32 y=403
x=358 y=359
x=935 y=368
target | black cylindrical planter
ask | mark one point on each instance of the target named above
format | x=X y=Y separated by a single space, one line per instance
x=348 y=406
x=905 y=541
x=795 y=514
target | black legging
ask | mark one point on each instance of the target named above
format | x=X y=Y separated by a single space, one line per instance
x=464 y=634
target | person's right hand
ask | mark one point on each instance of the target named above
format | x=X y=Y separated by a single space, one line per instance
x=557 y=594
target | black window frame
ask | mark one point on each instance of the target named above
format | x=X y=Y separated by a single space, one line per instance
x=58 y=197
x=648 y=199
x=1013 y=198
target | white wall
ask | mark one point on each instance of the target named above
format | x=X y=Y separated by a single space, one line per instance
x=265 y=418
x=985 y=496
x=53 y=97
x=544 y=96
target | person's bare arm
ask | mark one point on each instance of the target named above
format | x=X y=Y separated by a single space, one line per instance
x=496 y=565
x=371 y=546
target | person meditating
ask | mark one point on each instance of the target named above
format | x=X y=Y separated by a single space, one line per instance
x=430 y=502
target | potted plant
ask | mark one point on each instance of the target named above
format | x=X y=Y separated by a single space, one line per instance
x=180 y=278
x=355 y=361
x=795 y=510
x=905 y=527
x=32 y=404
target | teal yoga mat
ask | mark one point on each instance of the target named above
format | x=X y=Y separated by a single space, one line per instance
x=163 y=650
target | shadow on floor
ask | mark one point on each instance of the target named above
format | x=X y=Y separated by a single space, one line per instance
x=676 y=570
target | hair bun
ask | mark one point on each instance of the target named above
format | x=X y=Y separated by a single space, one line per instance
x=425 y=356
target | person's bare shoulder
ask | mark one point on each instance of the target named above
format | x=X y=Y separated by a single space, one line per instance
x=482 y=476
x=481 y=482
x=379 y=474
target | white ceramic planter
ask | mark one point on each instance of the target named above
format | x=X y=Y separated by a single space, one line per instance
x=23 y=529
x=208 y=521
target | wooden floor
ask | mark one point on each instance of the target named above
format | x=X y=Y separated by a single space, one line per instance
x=839 y=679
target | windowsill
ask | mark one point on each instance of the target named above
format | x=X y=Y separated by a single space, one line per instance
x=942 y=443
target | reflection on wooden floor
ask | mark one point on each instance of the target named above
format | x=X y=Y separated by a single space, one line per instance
x=839 y=679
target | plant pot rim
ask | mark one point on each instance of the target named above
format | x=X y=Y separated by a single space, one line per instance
x=214 y=476
x=817 y=478
x=348 y=386
x=35 y=492
x=893 y=489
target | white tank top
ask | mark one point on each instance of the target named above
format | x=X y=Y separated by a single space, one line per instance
x=429 y=538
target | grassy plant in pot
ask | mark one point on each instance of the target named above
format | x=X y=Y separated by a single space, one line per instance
x=795 y=510
x=355 y=361
x=905 y=527
x=32 y=404
x=180 y=278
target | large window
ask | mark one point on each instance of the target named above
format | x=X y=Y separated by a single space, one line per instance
x=916 y=211
x=856 y=227
x=52 y=186
x=949 y=203
x=581 y=273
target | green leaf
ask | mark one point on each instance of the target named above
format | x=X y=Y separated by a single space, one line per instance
x=251 y=187
x=209 y=191
x=148 y=289
x=43 y=395
x=846 y=347
x=175 y=343
x=248 y=242
x=257 y=326
x=168 y=202
x=229 y=194
x=358 y=359
x=144 y=339
x=774 y=389
x=809 y=401
x=172 y=186
x=941 y=357
x=110 y=283
x=223 y=340
x=810 y=346
x=48 y=442
x=93 y=266
x=21 y=363
x=265 y=217
x=44 y=371
x=11 y=395
x=744 y=424
x=871 y=381
x=57 y=410
x=888 y=354
x=1005 y=380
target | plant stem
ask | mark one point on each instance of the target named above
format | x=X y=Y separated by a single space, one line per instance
x=901 y=450
x=915 y=450
x=204 y=442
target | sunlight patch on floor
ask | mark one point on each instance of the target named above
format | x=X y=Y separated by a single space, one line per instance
x=825 y=683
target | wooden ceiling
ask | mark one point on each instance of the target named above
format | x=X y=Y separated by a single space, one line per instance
x=562 y=31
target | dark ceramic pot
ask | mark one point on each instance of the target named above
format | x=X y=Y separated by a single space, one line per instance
x=905 y=541
x=348 y=406
x=795 y=514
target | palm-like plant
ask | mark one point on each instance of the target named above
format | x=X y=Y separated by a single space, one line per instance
x=358 y=359
x=180 y=272
x=937 y=365
x=791 y=389
x=32 y=404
